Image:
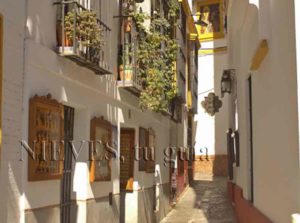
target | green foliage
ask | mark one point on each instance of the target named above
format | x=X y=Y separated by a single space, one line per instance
x=87 y=30
x=156 y=55
x=174 y=9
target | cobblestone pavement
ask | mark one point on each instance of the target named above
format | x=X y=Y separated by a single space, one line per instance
x=204 y=202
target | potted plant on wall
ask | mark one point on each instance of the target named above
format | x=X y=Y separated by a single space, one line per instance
x=128 y=25
x=121 y=65
x=88 y=33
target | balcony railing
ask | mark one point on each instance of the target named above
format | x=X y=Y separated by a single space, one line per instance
x=128 y=69
x=73 y=44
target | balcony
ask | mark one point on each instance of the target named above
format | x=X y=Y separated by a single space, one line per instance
x=82 y=37
x=128 y=69
x=129 y=80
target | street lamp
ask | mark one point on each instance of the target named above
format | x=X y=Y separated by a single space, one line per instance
x=227 y=81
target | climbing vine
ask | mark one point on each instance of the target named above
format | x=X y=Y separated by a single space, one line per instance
x=156 y=55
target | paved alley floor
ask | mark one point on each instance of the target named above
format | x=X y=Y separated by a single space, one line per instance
x=204 y=202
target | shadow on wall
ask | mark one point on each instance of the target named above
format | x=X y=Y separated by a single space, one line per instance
x=153 y=202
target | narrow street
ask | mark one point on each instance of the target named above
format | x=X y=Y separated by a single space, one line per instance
x=204 y=201
x=112 y=110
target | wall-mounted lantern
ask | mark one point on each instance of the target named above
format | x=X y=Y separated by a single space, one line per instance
x=227 y=81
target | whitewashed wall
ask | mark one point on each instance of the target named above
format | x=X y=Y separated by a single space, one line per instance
x=211 y=130
x=13 y=12
x=90 y=95
x=275 y=117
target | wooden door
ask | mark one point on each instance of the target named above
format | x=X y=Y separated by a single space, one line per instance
x=127 y=160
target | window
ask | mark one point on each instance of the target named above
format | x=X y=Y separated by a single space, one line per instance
x=155 y=6
x=91 y=47
x=102 y=9
x=101 y=135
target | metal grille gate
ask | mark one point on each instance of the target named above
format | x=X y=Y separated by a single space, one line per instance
x=66 y=182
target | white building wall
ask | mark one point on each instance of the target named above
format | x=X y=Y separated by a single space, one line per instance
x=13 y=13
x=211 y=130
x=91 y=95
x=275 y=125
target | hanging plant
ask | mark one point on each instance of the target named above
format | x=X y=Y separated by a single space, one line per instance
x=156 y=55
x=87 y=30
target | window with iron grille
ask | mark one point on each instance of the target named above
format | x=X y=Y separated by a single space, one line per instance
x=103 y=11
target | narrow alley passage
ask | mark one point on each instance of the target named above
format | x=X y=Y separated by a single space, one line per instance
x=204 y=201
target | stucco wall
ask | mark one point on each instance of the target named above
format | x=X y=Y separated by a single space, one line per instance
x=275 y=139
x=211 y=130
x=13 y=13
x=91 y=95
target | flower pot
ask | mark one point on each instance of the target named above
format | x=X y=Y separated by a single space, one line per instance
x=121 y=68
x=128 y=73
x=127 y=26
x=59 y=32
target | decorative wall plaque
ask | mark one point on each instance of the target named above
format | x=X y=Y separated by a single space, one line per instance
x=46 y=128
x=212 y=104
x=101 y=135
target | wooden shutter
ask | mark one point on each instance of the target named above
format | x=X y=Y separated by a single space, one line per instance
x=46 y=125
x=150 y=163
x=143 y=144
x=100 y=168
